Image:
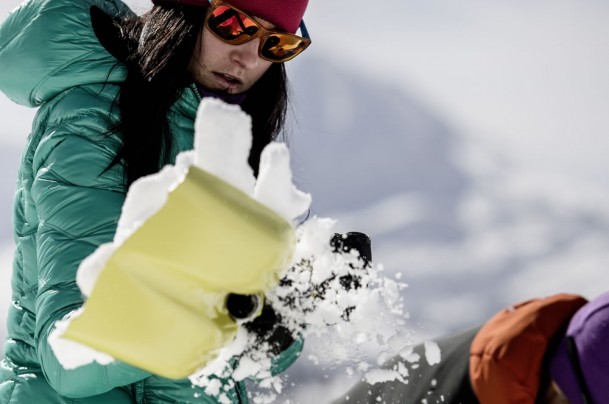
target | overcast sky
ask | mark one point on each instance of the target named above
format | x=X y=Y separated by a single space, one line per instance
x=529 y=77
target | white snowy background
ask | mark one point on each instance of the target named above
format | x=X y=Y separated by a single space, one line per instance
x=468 y=139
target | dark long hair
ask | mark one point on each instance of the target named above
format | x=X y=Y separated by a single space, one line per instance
x=157 y=48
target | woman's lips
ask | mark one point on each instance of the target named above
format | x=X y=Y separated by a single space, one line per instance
x=228 y=81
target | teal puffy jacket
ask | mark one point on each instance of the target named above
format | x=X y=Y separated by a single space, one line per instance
x=66 y=205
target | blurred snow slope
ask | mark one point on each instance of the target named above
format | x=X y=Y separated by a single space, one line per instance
x=468 y=140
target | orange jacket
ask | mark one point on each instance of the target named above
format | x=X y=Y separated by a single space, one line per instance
x=506 y=356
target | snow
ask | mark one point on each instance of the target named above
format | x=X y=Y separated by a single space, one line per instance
x=221 y=148
x=322 y=293
x=71 y=354
x=222 y=143
x=313 y=303
x=274 y=186
x=432 y=352
x=382 y=376
x=502 y=89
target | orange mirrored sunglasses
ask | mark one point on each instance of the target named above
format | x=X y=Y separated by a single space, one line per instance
x=236 y=27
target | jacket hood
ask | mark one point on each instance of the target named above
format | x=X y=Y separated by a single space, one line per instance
x=48 y=46
x=588 y=332
x=507 y=355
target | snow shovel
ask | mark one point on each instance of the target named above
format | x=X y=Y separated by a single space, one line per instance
x=160 y=302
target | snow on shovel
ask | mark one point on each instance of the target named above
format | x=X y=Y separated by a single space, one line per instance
x=188 y=237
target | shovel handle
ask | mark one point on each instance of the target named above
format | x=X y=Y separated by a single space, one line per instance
x=244 y=307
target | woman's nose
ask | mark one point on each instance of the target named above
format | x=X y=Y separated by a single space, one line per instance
x=247 y=54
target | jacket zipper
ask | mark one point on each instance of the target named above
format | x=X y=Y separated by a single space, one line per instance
x=196 y=91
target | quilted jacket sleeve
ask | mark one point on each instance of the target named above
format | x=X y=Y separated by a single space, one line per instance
x=285 y=347
x=287 y=357
x=78 y=205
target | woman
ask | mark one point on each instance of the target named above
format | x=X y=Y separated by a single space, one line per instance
x=117 y=97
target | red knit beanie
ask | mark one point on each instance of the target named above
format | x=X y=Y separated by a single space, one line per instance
x=284 y=14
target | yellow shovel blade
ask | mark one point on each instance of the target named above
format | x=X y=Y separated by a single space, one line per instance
x=159 y=303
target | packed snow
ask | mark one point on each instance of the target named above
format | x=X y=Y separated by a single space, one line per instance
x=432 y=352
x=325 y=292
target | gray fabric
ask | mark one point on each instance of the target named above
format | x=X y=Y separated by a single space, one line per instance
x=446 y=382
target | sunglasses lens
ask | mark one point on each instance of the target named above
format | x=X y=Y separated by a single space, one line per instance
x=231 y=25
x=280 y=47
x=234 y=27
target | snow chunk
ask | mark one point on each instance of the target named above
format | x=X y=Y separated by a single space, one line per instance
x=275 y=188
x=71 y=354
x=222 y=144
x=432 y=353
x=382 y=375
x=323 y=293
x=223 y=141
